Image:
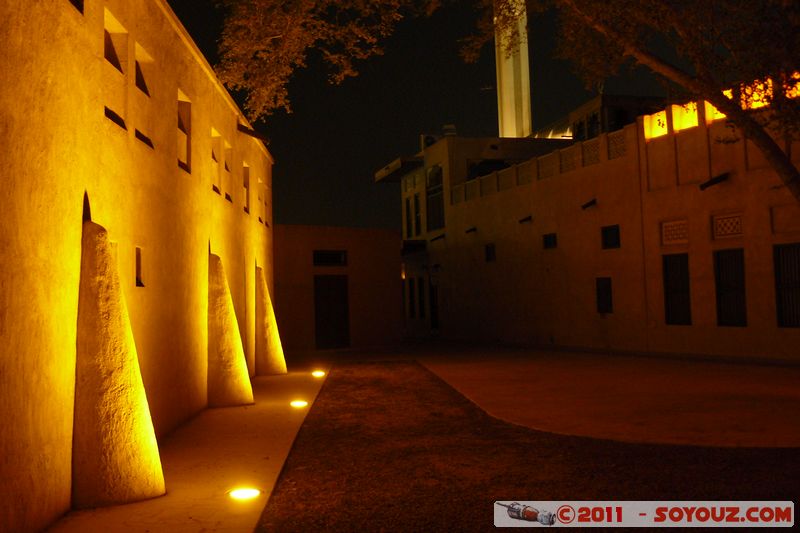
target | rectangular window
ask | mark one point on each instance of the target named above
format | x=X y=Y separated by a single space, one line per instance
x=677 y=299
x=246 y=187
x=729 y=279
x=227 y=164
x=144 y=138
x=549 y=240
x=330 y=257
x=434 y=199
x=417 y=217
x=409 y=220
x=216 y=156
x=489 y=252
x=787 y=284
x=139 y=282
x=114 y=117
x=604 y=295
x=144 y=66
x=421 y=287
x=115 y=42
x=184 y=132
x=609 y=236
x=412 y=294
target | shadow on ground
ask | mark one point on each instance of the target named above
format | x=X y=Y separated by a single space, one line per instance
x=388 y=446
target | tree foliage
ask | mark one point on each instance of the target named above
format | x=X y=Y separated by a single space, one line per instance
x=265 y=41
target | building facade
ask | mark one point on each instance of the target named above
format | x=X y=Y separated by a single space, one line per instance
x=337 y=287
x=111 y=116
x=671 y=235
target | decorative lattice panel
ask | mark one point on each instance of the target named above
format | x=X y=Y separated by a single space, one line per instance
x=675 y=232
x=526 y=172
x=616 y=144
x=569 y=159
x=591 y=152
x=548 y=165
x=727 y=226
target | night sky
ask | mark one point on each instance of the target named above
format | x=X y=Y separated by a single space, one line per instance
x=329 y=148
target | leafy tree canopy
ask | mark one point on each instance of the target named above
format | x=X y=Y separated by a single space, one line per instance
x=265 y=41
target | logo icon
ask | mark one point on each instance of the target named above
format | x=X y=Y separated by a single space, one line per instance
x=529 y=514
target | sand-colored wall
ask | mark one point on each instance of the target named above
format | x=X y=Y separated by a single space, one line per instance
x=540 y=296
x=58 y=146
x=373 y=283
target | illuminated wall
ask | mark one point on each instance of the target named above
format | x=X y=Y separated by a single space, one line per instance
x=113 y=100
x=523 y=257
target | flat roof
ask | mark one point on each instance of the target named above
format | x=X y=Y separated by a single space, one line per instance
x=398 y=168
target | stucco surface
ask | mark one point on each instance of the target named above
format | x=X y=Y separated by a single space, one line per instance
x=60 y=145
x=532 y=295
x=228 y=378
x=115 y=454
x=269 y=352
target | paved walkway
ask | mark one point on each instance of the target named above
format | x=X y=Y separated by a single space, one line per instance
x=633 y=399
x=216 y=451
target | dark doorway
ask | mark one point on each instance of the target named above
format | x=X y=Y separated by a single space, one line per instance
x=433 y=301
x=331 y=312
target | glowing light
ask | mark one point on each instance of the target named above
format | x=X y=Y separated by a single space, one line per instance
x=244 y=493
x=318 y=373
x=655 y=125
x=712 y=113
x=684 y=116
x=793 y=85
x=298 y=404
x=757 y=94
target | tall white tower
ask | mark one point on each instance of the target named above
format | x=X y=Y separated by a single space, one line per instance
x=513 y=78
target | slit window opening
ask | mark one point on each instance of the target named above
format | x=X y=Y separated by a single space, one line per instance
x=184 y=132
x=143 y=63
x=139 y=279
x=115 y=42
x=246 y=187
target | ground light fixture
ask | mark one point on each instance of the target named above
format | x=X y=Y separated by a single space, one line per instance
x=318 y=373
x=298 y=404
x=244 y=493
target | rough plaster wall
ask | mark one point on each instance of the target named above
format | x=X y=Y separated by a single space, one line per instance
x=58 y=145
x=269 y=352
x=40 y=258
x=228 y=378
x=115 y=454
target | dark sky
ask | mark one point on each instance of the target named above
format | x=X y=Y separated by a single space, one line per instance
x=329 y=148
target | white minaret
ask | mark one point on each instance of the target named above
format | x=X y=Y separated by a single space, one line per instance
x=513 y=80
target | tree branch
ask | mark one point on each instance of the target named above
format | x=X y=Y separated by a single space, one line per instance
x=705 y=89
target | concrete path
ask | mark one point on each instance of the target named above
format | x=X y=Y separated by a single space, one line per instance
x=203 y=460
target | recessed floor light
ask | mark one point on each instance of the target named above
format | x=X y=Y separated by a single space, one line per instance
x=244 y=493
x=318 y=373
x=299 y=403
